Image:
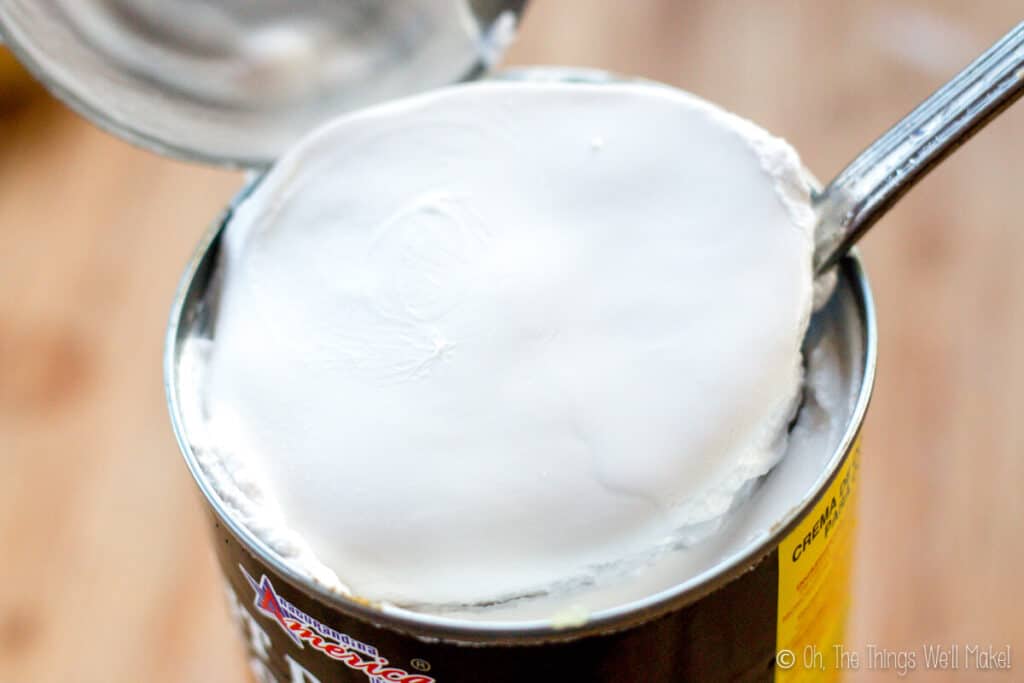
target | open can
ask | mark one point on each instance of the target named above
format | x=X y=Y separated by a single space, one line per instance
x=773 y=610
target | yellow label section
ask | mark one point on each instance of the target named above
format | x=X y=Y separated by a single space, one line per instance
x=815 y=560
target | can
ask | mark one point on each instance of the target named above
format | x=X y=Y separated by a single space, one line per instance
x=773 y=611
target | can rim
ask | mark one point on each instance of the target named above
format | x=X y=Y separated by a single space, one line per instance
x=429 y=626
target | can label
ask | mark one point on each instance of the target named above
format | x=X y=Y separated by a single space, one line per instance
x=815 y=561
x=306 y=631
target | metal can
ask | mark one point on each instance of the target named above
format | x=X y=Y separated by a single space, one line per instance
x=773 y=611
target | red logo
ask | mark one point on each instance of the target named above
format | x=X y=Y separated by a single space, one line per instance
x=306 y=630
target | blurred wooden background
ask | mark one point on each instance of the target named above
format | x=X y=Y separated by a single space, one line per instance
x=107 y=575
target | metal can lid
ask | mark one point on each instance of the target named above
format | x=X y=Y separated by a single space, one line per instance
x=235 y=82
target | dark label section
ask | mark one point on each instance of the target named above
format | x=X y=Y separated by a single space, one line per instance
x=293 y=638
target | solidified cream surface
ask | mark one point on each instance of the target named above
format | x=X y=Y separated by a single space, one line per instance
x=504 y=339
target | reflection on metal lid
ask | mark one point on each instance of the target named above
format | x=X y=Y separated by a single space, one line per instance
x=237 y=81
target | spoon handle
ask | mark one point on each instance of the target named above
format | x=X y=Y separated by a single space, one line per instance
x=894 y=163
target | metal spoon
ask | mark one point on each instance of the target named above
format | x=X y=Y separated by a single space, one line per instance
x=876 y=179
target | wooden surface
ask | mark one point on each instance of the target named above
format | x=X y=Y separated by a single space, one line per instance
x=107 y=575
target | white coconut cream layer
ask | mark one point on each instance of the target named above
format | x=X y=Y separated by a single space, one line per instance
x=506 y=338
